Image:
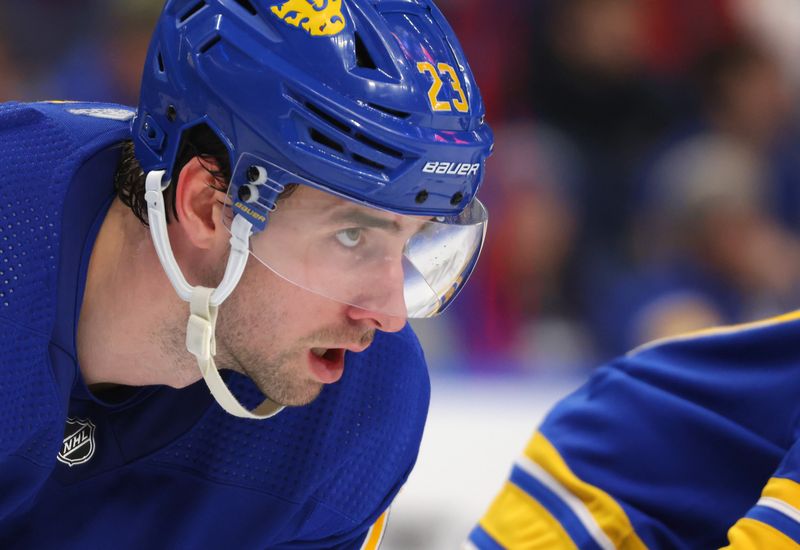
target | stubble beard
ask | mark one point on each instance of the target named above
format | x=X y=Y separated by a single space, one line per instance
x=281 y=377
x=276 y=377
x=247 y=343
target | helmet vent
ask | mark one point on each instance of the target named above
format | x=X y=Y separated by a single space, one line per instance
x=379 y=146
x=247 y=6
x=322 y=139
x=191 y=11
x=388 y=111
x=347 y=130
x=328 y=118
x=371 y=163
x=340 y=146
x=160 y=60
x=363 y=57
x=210 y=44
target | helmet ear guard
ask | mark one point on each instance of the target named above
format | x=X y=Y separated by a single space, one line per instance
x=369 y=101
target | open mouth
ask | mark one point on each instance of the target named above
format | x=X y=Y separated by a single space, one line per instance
x=328 y=354
x=327 y=364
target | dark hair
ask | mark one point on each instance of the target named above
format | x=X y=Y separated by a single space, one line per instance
x=200 y=141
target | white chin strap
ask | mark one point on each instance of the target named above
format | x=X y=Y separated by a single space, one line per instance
x=204 y=302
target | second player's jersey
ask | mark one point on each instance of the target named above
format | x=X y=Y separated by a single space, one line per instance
x=157 y=467
x=688 y=443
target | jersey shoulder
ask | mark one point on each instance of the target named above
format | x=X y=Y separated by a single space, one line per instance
x=60 y=124
x=41 y=155
x=42 y=148
x=774 y=332
x=745 y=373
x=710 y=415
x=740 y=380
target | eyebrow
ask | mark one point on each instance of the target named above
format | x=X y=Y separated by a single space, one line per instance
x=358 y=217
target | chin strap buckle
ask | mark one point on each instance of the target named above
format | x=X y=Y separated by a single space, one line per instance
x=201 y=342
x=200 y=338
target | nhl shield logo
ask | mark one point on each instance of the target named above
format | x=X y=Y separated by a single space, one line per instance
x=78 y=446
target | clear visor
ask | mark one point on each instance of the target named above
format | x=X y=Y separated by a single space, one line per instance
x=388 y=263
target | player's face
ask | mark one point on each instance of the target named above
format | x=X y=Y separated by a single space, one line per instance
x=291 y=341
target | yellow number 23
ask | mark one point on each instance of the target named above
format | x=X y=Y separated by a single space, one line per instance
x=437 y=105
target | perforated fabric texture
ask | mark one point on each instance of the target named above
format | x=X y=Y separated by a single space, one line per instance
x=344 y=456
x=31 y=149
x=41 y=146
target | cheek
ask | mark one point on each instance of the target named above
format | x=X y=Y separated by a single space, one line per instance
x=306 y=311
x=273 y=303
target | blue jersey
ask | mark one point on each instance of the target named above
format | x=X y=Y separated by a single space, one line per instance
x=687 y=443
x=157 y=467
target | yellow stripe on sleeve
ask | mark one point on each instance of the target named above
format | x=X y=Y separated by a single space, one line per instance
x=518 y=522
x=376 y=532
x=718 y=331
x=783 y=489
x=750 y=534
x=608 y=514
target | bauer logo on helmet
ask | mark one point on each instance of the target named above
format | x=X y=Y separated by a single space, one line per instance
x=452 y=168
x=317 y=17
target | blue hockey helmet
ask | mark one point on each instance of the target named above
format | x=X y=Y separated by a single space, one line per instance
x=370 y=100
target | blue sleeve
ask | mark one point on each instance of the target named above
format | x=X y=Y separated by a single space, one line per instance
x=666 y=447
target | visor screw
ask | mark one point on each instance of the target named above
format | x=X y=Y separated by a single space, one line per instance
x=248 y=193
x=256 y=175
x=172 y=114
x=422 y=196
x=457 y=198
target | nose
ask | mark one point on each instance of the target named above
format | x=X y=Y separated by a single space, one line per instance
x=377 y=319
x=382 y=302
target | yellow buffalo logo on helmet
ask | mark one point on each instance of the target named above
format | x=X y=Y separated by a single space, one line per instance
x=317 y=17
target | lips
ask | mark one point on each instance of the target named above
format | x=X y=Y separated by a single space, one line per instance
x=326 y=364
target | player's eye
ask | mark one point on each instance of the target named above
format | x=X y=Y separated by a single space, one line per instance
x=350 y=237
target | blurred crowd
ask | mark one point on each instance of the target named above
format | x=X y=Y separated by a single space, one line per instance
x=646 y=180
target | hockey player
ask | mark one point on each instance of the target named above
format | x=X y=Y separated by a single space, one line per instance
x=306 y=172
x=690 y=442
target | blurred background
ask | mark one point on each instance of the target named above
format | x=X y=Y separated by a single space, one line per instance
x=646 y=182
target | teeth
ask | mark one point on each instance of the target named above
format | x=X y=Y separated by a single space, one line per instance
x=319 y=352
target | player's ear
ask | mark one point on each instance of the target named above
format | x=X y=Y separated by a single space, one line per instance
x=198 y=204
